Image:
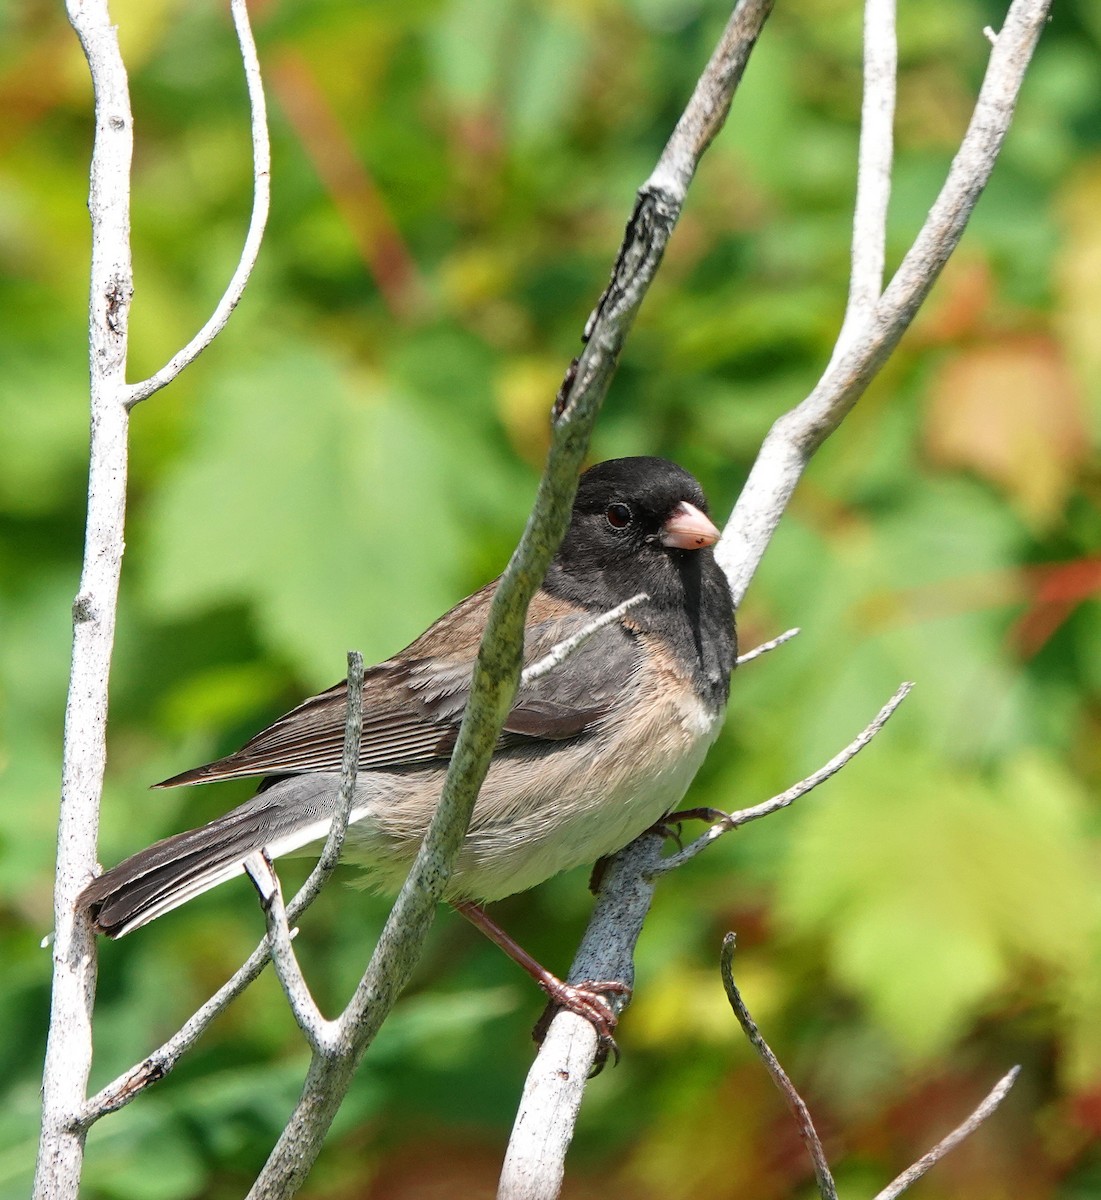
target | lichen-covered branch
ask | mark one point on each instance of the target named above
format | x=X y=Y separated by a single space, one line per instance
x=497 y=671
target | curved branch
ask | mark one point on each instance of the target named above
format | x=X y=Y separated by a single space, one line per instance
x=827 y=1189
x=261 y=202
x=766 y=808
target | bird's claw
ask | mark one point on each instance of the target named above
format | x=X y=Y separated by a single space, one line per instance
x=587 y=1000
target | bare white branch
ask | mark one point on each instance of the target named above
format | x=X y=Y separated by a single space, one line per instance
x=743 y=816
x=66 y=1114
x=558 y=654
x=535 y=1162
x=261 y=202
x=765 y=647
x=69 y=1047
x=795 y=437
x=873 y=177
x=912 y=1174
x=826 y=1187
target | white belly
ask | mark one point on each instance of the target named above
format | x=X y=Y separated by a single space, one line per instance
x=589 y=803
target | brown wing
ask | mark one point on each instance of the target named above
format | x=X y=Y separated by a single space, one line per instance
x=413 y=703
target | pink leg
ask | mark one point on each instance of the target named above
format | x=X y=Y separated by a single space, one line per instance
x=584 y=998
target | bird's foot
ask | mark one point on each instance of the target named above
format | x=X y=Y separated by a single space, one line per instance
x=588 y=1000
x=669 y=825
x=713 y=816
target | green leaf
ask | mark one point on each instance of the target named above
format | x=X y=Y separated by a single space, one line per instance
x=929 y=889
x=329 y=505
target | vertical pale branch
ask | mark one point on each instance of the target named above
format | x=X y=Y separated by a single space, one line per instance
x=873 y=175
x=69 y=1048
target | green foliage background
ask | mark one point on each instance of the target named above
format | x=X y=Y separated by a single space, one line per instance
x=358 y=450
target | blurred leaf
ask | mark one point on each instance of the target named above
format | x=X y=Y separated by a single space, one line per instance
x=468 y=49
x=1011 y=411
x=928 y=887
x=546 y=88
x=331 y=505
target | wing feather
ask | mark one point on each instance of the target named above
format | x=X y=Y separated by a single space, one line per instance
x=413 y=703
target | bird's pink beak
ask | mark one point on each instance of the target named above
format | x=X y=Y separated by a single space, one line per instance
x=688 y=529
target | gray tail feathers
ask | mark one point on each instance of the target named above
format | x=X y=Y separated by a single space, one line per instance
x=171 y=872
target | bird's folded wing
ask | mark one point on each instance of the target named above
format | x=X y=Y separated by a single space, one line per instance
x=413 y=703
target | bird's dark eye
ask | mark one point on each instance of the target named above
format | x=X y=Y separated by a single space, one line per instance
x=618 y=516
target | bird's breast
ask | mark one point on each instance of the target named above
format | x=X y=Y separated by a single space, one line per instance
x=548 y=806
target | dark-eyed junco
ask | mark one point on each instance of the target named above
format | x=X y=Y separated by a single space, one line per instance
x=592 y=753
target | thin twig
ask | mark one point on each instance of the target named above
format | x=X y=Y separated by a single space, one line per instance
x=765 y=647
x=912 y=1174
x=558 y=654
x=155 y=1066
x=349 y=767
x=310 y=1020
x=826 y=1187
x=743 y=816
x=261 y=202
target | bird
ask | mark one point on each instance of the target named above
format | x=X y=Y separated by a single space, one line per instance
x=592 y=753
